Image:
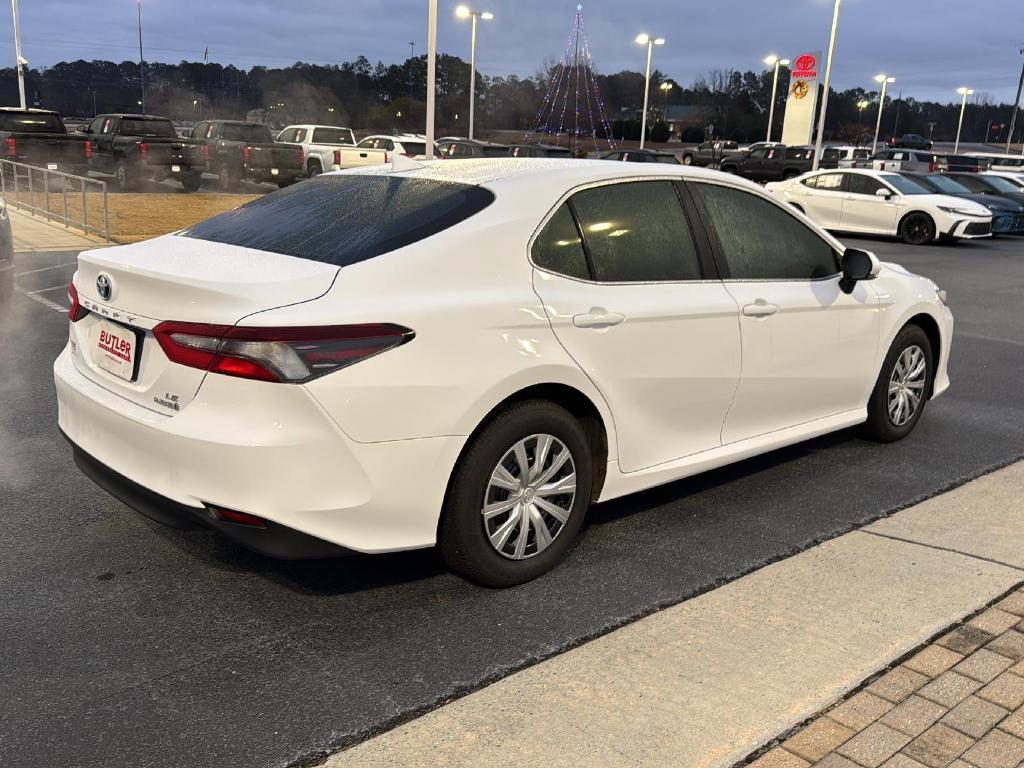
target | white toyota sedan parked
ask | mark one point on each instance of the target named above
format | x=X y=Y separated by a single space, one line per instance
x=470 y=354
x=880 y=203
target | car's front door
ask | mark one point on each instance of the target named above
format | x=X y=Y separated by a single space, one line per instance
x=809 y=348
x=753 y=165
x=822 y=199
x=863 y=209
x=624 y=278
x=103 y=142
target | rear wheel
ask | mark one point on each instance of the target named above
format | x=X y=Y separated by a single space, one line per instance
x=790 y=174
x=903 y=387
x=518 y=496
x=191 y=182
x=314 y=169
x=917 y=229
x=123 y=176
x=227 y=179
x=687 y=159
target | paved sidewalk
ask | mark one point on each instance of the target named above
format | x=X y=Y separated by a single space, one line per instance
x=706 y=683
x=34 y=233
x=957 y=702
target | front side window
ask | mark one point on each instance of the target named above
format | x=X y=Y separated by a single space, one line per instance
x=636 y=232
x=343 y=220
x=558 y=248
x=862 y=184
x=760 y=241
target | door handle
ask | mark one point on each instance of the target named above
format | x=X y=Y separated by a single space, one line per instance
x=760 y=308
x=597 y=317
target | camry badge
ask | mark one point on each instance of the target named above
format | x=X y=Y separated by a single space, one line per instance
x=104 y=286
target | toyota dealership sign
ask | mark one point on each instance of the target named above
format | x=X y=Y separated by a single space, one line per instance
x=798 y=125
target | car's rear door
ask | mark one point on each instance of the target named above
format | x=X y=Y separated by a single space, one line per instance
x=630 y=290
x=809 y=348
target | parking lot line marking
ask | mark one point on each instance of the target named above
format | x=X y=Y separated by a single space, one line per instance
x=51 y=288
x=44 y=269
x=41 y=299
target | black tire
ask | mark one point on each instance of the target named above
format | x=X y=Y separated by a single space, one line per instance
x=123 y=177
x=227 y=180
x=687 y=159
x=729 y=169
x=917 y=229
x=314 y=169
x=880 y=425
x=285 y=183
x=790 y=174
x=191 y=182
x=462 y=539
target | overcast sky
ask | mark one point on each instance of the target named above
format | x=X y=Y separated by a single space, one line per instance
x=930 y=46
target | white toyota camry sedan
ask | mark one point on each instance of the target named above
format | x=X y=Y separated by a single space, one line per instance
x=881 y=203
x=469 y=354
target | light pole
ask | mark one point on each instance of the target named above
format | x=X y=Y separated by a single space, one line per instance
x=650 y=42
x=828 y=81
x=431 y=74
x=861 y=106
x=198 y=104
x=142 y=61
x=17 y=54
x=965 y=92
x=465 y=12
x=884 y=80
x=1016 y=106
x=776 y=62
x=665 y=88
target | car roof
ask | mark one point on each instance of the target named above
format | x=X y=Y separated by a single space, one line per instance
x=34 y=110
x=542 y=172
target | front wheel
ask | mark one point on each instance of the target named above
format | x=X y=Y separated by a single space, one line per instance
x=518 y=496
x=917 y=229
x=687 y=159
x=903 y=387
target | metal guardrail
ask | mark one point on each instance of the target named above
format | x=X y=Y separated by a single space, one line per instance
x=18 y=180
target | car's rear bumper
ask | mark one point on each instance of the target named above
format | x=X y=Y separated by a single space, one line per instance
x=268 y=450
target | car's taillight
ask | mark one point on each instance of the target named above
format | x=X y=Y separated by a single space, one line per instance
x=386 y=158
x=239 y=518
x=337 y=157
x=932 y=167
x=143 y=150
x=302 y=156
x=247 y=155
x=290 y=355
x=76 y=311
x=88 y=150
x=206 y=152
x=12 y=147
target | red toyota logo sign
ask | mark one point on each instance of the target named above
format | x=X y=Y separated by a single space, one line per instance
x=805 y=62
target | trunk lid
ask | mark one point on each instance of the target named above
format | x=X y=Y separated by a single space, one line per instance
x=174 y=278
x=263 y=157
x=43 y=149
x=164 y=152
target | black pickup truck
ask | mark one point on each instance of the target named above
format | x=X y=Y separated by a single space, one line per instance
x=777 y=163
x=709 y=153
x=236 y=150
x=38 y=137
x=137 y=147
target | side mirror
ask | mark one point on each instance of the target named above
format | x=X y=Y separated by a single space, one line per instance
x=885 y=194
x=83 y=129
x=858 y=265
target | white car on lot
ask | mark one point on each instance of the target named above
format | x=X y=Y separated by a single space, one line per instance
x=470 y=354
x=409 y=144
x=881 y=203
x=322 y=145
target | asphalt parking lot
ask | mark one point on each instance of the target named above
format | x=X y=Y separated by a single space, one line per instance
x=115 y=627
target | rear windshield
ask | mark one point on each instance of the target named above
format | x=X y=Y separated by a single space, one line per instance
x=332 y=136
x=343 y=220
x=252 y=132
x=134 y=126
x=28 y=122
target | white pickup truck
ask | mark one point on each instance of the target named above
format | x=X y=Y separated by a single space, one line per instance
x=329 y=148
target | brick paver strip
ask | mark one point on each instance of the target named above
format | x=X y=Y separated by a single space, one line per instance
x=873 y=746
x=1013 y=604
x=933 y=660
x=949 y=689
x=995 y=621
x=974 y=716
x=914 y=716
x=938 y=746
x=897 y=684
x=984 y=666
x=997 y=750
x=965 y=639
x=1018 y=668
x=1014 y=723
x=818 y=739
x=902 y=761
x=860 y=711
x=1007 y=691
x=836 y=761
x=1009 y=644
x=779 y=758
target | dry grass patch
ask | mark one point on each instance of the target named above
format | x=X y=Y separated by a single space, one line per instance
x=135 y=217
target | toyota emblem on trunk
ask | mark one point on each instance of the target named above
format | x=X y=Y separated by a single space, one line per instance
x=104 y=286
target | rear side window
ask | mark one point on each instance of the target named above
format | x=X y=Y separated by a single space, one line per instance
x=343 y=220
x=134 y=126
x=558 y=247
x=636 y=232
x=761 y=241
x=331 y=136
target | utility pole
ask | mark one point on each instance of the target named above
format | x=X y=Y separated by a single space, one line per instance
x=412 y=50
x=828 y=80
x=17 y=53
x=1016 y=106
x=142 y=61
x=431 y=74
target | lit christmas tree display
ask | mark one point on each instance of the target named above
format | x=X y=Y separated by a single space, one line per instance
x=573 y=106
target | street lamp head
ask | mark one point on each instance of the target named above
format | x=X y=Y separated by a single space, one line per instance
x=884 y=79
x=784 y=62
x=965 y=91
x=643 y=39
x=659 y=41
x=486 y=15
x=666 y=86
x=771 y=60
x=863 y=104
x=463 y=12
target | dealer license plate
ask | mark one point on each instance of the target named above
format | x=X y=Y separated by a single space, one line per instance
x=175 y=169
x=51 y=166
x=273 y=171
x=115 y=349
